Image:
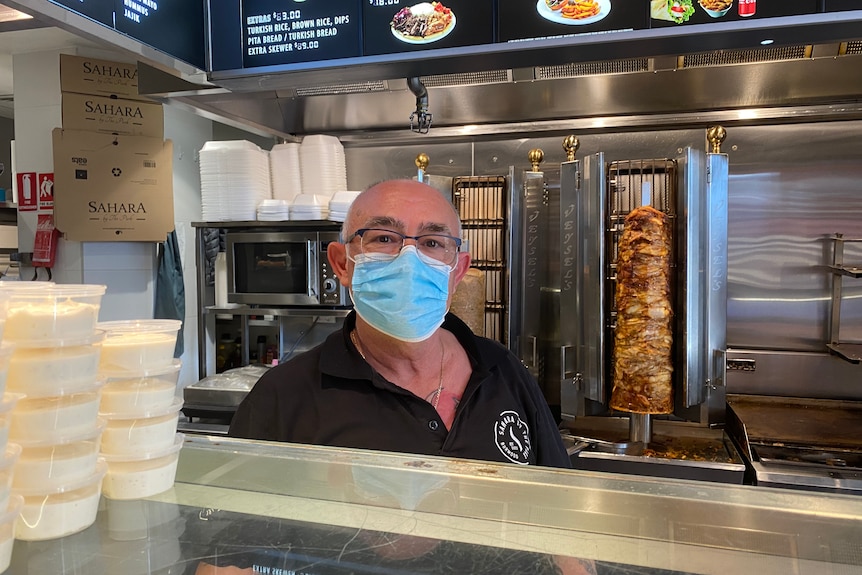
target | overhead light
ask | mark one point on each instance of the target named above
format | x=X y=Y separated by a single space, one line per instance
x=10 y=14
x=766 y=42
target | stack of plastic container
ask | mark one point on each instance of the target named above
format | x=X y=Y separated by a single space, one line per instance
x=10 y=505
x=139 y=404
x=52 y=376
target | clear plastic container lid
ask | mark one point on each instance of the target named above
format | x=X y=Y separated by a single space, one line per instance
x=6 y=350
x=96 y=337
x=13 y=508
x=84 y=482
x=120 y=327
x=10 y=456
x=57 y=290
x=174 y=407
x=23 y=286
x=146 y=455
x=110 y=374
x=9 y=400
x=72 y=388
x=85 y=435
x=219 y=145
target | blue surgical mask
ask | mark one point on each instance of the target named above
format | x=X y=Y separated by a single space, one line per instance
x=403 y=297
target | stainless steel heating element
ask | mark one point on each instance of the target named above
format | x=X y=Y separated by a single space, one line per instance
x=481 y=203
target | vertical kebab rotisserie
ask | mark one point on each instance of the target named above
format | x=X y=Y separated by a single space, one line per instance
x=643 y=363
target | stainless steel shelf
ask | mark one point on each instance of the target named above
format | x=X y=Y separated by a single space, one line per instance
x=279 y=311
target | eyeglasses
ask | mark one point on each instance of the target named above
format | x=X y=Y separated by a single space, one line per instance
x=438 y=247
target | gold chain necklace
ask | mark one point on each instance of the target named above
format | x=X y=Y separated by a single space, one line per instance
x=436 y=401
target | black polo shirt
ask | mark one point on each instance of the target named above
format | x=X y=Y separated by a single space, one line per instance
x=331 y=396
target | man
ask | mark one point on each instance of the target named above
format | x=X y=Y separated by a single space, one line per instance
x=404 y=375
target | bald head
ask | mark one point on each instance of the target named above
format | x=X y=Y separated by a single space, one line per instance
x=407 y=206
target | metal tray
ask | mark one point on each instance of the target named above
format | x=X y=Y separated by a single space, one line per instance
x=676 y=451
x=726 y=465
x=805 y=422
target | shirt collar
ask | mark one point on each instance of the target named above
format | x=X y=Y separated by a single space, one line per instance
x=340 y=357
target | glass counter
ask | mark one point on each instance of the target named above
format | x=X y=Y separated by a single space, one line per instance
x=258 y=507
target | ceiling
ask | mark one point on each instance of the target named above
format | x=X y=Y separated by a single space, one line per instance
x=22 y=36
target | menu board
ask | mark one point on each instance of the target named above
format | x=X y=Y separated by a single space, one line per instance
x=250 y=34
x=665 y=13
x=841 y=5
x=392 y=26
x=288 y=31
x=523 y=20
x=175 y=27
x=102 y=11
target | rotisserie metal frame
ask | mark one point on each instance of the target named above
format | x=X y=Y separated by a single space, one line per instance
x=692 y=190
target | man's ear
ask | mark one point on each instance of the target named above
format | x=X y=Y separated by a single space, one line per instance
x=337 y=254
x=461 y=266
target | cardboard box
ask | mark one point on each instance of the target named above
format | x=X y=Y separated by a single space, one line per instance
x=98 y=77
x=110 y=188
x=113 y=115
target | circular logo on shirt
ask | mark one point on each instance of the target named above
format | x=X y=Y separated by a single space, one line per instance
x=513 y=438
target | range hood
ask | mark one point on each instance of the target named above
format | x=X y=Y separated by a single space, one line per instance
x=601 y=95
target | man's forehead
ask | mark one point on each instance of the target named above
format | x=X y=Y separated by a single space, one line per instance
x=400 y=225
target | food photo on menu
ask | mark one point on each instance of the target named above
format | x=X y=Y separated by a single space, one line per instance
x=664 y=13
x=423 y=23
x=536 y=19
x=392 y=26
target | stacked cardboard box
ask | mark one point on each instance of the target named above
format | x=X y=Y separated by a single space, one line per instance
x=112 y=165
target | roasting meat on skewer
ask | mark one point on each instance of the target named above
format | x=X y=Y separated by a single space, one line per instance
x=643 y=362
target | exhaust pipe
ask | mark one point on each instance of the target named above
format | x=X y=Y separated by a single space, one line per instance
x=420 y=119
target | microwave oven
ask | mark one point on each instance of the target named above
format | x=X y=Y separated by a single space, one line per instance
x=282 y=268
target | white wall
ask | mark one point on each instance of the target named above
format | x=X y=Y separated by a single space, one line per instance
x=189 y=133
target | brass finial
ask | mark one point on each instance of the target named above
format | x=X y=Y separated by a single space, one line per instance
x=716 y=135
x=571 y=144
x=422 y=161
x=536 y=156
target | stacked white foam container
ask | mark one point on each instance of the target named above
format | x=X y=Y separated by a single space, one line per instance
x=140 y=442
x=235 y=178
x=284 y=171
x=52 y=377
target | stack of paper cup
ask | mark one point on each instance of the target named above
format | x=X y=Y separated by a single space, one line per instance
x=52 y=376
x=140 y=442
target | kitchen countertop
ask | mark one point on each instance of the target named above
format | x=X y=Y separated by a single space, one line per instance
x=315 y=510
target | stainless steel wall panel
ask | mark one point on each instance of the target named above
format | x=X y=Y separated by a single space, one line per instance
x=785 y=201
x=367 y=165
x=793 y=374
